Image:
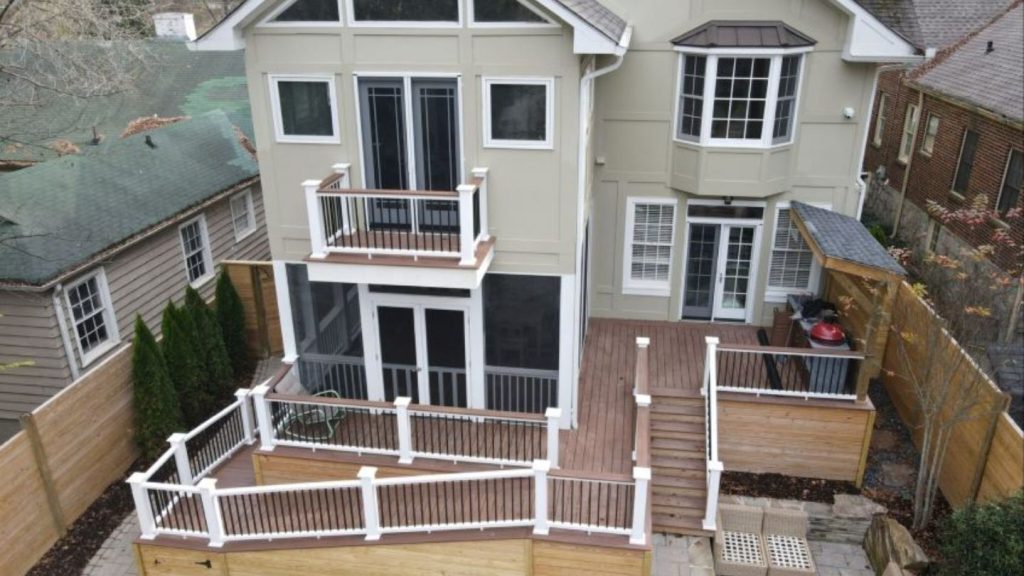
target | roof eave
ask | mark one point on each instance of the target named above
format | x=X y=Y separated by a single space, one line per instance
x=870 y=41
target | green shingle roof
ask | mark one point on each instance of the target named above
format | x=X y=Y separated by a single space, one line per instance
x=174 y=81
x=60 y=213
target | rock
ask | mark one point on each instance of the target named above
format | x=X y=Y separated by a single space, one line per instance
x=896 y=475
x=700 y=554
x=893 y=569
x=883 y=440
x=888 y=541
x=856 y=506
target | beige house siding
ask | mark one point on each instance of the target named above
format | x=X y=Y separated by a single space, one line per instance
x=641 y=159
x=141 y=279
x=532 y=193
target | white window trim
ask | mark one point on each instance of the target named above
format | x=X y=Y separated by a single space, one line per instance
x=549 y=128
x=275 y=104
x=548 y=23
x=268 y=22
x=207 y=256
x=109 y=318
x=925 y=149
x=250 y=211
x=350 y=15
x=911 y=122
x=1006 y=174
x=646 y=287
x=707 y=101
x=881 y=120
x=779 y=293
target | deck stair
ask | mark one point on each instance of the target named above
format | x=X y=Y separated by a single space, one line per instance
x=678 y=460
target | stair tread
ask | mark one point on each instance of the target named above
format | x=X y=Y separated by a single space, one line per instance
x=673 y=501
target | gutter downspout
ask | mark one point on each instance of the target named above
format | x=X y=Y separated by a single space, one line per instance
x=58 y=309
x=581 y=191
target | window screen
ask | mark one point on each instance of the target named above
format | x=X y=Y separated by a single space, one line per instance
x=652 y=241
x=792 y=260
x=741 y=89
x=504 y=11
x=691 y=94
x=521 y=324
x=310 y=11
x=785 y=107
x=88 y=311
x=1010 y=194
x=193 y=244
x=305 y=108
x=518 y=112
x=406 y=10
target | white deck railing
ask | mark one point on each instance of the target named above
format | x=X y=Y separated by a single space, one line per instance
x=714 y=466
x=806 y=373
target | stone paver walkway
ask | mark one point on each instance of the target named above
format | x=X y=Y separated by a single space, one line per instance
x=115 y=556
x=834 y=559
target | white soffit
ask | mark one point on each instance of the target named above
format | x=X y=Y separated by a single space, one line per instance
x=868 y=40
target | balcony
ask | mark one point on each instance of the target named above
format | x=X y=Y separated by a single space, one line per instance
x=398 y=237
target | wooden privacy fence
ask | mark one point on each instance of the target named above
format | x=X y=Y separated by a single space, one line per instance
x=254 y=282
x=985 y=452
x=71 y=449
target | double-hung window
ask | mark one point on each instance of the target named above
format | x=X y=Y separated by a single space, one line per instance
x=792 y=268
x=650 y=231
x=881 y=119
x=1009 y=193
x=965 y=165
x=909 y=131
x=243 y=216
x=931 y=131
x=305 y=108
x=519 y=112
x=737 y=100
x=195 y=248
x=92 y=316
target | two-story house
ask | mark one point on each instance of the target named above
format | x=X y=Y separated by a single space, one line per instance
x=475 y=207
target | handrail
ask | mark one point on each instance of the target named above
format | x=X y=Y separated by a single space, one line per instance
x=756 y=349
x=386 y=193
x=714 y=467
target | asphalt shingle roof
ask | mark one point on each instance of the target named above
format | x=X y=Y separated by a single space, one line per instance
x=845 y=238
x=992 y=80
x=58 y=214
x=597 y=15
x=174 y=81
x=934 y=23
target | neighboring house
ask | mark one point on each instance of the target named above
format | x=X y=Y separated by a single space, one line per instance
x=466 y=198
x=89 y=242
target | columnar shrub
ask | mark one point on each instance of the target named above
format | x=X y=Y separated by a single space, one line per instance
x=231 y=317
x=984 y=539
x=215 y=363
x=157 y=412
x=180 y=353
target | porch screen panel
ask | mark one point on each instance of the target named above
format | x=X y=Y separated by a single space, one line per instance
x=328 y=334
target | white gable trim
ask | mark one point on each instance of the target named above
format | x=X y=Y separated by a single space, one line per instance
x=868 y=40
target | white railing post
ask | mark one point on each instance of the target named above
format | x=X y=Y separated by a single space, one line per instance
x=317 y=234
x=344 y=170
x=642 y=479
x=404 y=429
x=211 y=511
x=711 y=343
x=371 y=514
x=540 y=494
x=142 y=508
x=177 y=442
x=263 y=421
x=485 y=229
x=467 y=243
x=642 y=401
x=554 y=416
x=245 y=408
x=711 y=383
x=711 y=506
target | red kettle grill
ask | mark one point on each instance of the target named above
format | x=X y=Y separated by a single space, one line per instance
x=828 y=332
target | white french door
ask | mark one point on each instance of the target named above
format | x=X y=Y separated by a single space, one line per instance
x=734 y=280
x=424 y=351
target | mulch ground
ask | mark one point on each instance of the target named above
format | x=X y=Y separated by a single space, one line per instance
x=785 y=487
x=72 y=553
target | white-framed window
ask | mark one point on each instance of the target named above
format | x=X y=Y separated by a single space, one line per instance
x=519 y=112
x=195 y=248
x=965 y=163
x=909 y=130
x=92 y=315
x=243 y=215
x=1009 y=192
x=934 y=230
x=739 y=100
x=305 y=108
x=405 y=13
x=505 y=14
x=880 y=119
x=308 y=13
x=792 y=268
x=931 y=131
x=649 y=237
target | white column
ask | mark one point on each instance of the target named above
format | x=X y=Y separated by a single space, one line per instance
x=284 y=309
x=477 y=356
x=245 y=407
x=317 y=234
x=211 y=510
x=177 y=442
x=554 y=416
x=467 y=244
x=142 y=508
x=485 y=227
x=371 y=514
x=404 y=429
x=567 y=384
x=540 y=493
x=263 y=421
x=642 y=478
x=371 y=345
x=715 y=469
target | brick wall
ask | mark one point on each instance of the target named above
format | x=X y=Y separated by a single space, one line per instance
x=931 y=177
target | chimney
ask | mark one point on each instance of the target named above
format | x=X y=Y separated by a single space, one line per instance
x=175 y=26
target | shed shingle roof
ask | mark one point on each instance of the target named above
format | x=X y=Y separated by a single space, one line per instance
x=60 y=213
x=845 y=238
x=597 y=15
x=744 y=34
